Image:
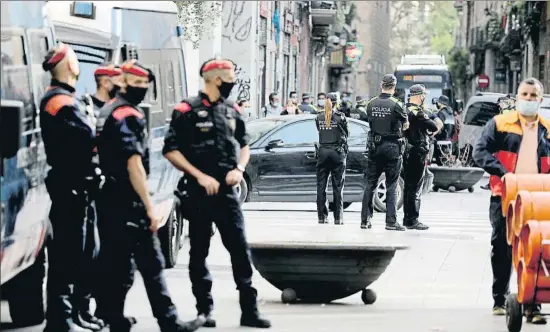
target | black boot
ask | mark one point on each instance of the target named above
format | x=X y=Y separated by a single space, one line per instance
x=65 y=326
x=80 y=321
x=323 y=221
x=122 y=325
x=180 y=326
x=250 y=315
x=209 y=321
x=338 y=222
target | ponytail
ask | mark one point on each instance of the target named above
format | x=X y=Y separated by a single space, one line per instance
x=328 y=112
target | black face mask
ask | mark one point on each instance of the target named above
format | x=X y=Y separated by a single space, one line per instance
x=113 y=91
x=225 y=89
x=135 y=94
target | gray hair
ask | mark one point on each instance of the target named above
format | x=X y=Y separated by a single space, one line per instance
x=535 y=82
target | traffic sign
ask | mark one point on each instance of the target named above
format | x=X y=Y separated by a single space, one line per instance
x=483 y=81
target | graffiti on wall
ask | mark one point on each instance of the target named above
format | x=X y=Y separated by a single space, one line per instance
x=237 y=24
x=242 y=84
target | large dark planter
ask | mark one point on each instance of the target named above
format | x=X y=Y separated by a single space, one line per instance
x=456 y=178
x=321 y=272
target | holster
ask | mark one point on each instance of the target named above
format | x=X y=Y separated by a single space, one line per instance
x=182 y=195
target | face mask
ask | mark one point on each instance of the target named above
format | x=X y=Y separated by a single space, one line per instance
x=321 y=102
x=225 y=89
x=346 y=99
x=527 y=108
x=134 y=94
x=113 y=91
x=274 y=104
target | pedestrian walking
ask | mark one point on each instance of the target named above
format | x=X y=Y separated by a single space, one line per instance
x=333 y=129
x=387 y=117
x=207 y=140
x=68 y=130
x=416 y=155
x=130 y=233
x=514 y=142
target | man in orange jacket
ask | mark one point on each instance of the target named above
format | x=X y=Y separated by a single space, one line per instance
x=514 y=142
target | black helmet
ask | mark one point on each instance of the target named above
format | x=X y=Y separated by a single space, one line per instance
x=416 y=90
x=443 y=100
x=333 y=97
x=389 y=80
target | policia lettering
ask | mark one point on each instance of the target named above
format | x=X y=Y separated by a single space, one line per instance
x=333 y=130
x=414 y=165
x=67 y=128
x=202 y=141
x=387 y=119
x=128 y=221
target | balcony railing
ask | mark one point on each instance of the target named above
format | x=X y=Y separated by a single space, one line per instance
x=323 y=12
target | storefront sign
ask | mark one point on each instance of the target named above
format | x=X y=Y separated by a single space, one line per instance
x=354 y=52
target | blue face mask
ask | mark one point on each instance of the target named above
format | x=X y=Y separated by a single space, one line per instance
x=321 y=102
x=527 y=108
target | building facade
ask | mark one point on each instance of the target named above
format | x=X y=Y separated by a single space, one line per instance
x=507 y=41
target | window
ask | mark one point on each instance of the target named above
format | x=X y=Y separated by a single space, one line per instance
x=89 y=59
x=39 y=47
x=358 y=135
x=15 y=77
x=479 y=113
x=169 y=82
x=257 y=129
x=299 y=133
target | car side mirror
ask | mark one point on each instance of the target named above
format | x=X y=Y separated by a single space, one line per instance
x=11 y=127
x=277 y=143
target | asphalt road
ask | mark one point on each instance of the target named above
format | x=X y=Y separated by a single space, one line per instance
x=443 y=283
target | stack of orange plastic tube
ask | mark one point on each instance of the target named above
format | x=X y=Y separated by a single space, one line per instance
x=526 y=205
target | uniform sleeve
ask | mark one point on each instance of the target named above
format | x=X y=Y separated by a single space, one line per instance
x=63 y=108
x=485 y=148
x=241 y=135
x=317 y=123
x=178 y=128
x=130 y=140
x=425 y=121
x=401 y=111
x=362 y=114
x=345 y=126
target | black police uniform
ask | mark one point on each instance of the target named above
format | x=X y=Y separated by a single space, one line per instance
x=386 y=116
x=68 y=134
x=414 y=165
x=209 y=135
x=332 y=153
x=307 y=108
x=125 y=234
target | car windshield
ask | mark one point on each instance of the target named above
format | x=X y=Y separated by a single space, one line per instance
x=258 y=128
x=480 y=112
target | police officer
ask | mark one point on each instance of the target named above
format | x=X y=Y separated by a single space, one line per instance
x=68 y=133
x=445 y=113
x=506 y=104
x=387 y=118
x=204 y=139
x=414 y=164
x=360 y=110
x=106 y=87
x=333 y=149
x=346 y=105
x=321 y=99
x=133 y=221
x=306 y=107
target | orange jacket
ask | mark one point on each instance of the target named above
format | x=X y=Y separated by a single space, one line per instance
x=496 y=151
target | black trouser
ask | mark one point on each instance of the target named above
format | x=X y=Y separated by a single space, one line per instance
x=88 y=266
x=330 y=162
x=225 y=211
x=126 y=240
x=501 y=254
x=414 y=167
x=386 y=158
x=66 y=251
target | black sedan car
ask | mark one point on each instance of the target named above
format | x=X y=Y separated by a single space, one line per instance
x=282 y=166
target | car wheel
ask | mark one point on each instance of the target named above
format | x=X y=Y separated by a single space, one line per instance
x=380 y=194
x=241 y=190
x=170 y=237
x=26 y=294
